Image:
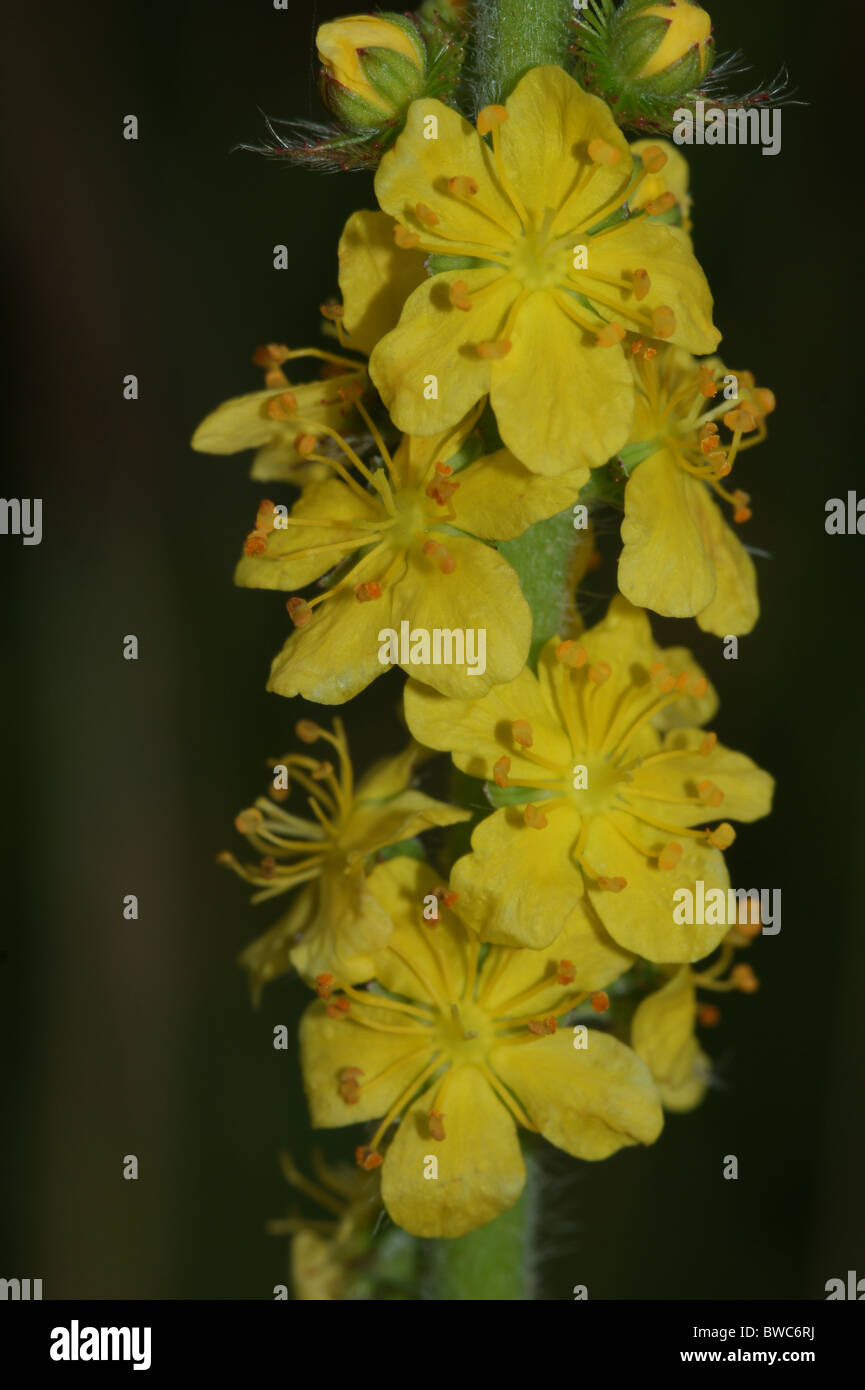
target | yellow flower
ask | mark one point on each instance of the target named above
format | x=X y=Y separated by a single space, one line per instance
x=334 y=923
x=327 y=1256
x=679 y=556
x=600 y=801
x=663 y=1034
x=461 y=1051
x=249 y=422
x=413 y=564
x=557 y=274
x=667 y=187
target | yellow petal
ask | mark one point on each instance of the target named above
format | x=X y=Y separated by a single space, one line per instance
x=418 y=170
x=279 y=568
x=673 y=178
x=560 y=401
x=376 y=277
x=483 y=594
x=667 y=562
x=520 y=885
x=316 y=1274
x=675 y=275
x=596 y=958
x=747 y=788
x=588 y=1101
x=243 y=423
x=498 y=497
x=327 y=1045
x=348 y=928
x=410 y=813
x=427 y=370
x=477 y=732
x=427 y=960
x=480 y=1167
x=640 y=917
x=389 y=776
x=735 y=608
x=662 y=1033
x=551 y=122
x=335 y=656
x=269 y=956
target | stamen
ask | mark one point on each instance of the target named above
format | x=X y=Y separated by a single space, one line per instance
x=299 y=611
x=657 y=206
x=405 y=239
x=641 y=282
x=459 y=296
x=600 y=1001
x=426 y=215
x=663 y=321
x=654 y=159
x=722 y=836
x=542 y=1027
x=602 y=152
x=493 y=351
x=501 y=768
x=670 y=855
x=367 y=1158
x=522 y=732
x=462 y=186
x=367 y=591
x=535 y=818
x=610 y=335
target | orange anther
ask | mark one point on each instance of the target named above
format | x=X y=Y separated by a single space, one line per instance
x=542 y=1027
x=272 y=354
x=670 y=855
x=403 y=238
x=707 y=744
x=489 y=118
x=426 y=215
x=338 y=1008
x=299 y=611
x=650 y=354
x=612 y=885
x=351 y=393
x=248 y=822
x=699 y=686
x=610 y=335
x=744 y=978
x=571 y=654
x=321 y=771
x=534 y=817
x=462 y=186
x=255 y=543
x=367 y=591
x=492 y=352
x=349 y=1086
x=431 y=548
x=600 y=672
x=663 y=321
x=707 y=385
x=324 y=985
x=600 y=1001
x=708 y=793
x=654 y=159
x=566 y=973
x=641 y=282
x=656 y=207
x=709 y=430
x=367 y=1158
x=742 y=419
x=446 y=896
x=447 y=562
x=283 y=406
x=764 y=400
x=501 y=768
x=444 y=470
x=637 y=346
x=436 y=1128
x=305 y=444
x=522 y=732
x=307 y=731
x=264 y=515
x=722 y=836
x=709 y=1015
x=602 y=152
x=683 y=680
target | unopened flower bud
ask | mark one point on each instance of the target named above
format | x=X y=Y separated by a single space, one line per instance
x=645 y=57
x=373 y=66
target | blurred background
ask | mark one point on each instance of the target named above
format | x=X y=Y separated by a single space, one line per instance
x=155 y=258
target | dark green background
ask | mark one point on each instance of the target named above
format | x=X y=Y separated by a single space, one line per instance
x=155 y=258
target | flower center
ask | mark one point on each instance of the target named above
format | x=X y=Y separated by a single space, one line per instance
x=464 y=1033
x=538 y=263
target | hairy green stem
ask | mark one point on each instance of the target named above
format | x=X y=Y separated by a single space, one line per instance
x=512 y=36
x=494 y=1263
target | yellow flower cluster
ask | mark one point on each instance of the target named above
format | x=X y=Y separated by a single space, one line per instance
x=524 y=308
